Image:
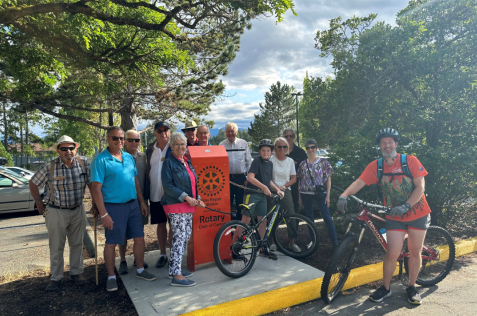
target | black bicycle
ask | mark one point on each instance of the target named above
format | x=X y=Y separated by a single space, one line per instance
x=237 y=244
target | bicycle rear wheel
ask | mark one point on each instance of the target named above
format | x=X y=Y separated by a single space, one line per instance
x=301 y=230
x=339 y=268
x=235 y=259
x=438 y=255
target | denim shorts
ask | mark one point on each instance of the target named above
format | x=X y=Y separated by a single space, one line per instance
x=127 y=222
x=419 y=224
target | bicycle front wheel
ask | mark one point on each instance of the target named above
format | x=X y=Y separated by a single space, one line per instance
x=235 y=255
x=339 y=268
x=438 y=255
x=295 y=235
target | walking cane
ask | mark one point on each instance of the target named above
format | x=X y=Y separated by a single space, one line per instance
x=95 y=251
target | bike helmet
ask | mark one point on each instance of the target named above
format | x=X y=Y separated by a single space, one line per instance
x=265 y=142
x=387 y=132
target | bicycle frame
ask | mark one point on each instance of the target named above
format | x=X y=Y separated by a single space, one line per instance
x=275 y=210
x=365 y=217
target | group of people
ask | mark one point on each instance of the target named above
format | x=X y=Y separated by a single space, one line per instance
x=122 y=181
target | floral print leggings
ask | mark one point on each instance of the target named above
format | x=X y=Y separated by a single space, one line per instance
x=181 y=225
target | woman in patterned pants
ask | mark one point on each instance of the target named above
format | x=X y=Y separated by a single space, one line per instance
x=180 y=198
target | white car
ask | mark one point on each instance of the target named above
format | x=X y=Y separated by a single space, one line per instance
x=15 y=193
x=322 y=153
x=25 y=173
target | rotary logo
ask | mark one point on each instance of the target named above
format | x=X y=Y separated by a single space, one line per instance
x=211 y=180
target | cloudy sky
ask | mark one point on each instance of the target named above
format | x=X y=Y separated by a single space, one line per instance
x=285 y=52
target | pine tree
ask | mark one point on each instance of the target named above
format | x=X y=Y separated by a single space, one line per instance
x=275 y=115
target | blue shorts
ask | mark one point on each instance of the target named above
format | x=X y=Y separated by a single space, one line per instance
x=127 y=222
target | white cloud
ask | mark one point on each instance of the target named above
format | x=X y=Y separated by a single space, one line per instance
x=284 y=52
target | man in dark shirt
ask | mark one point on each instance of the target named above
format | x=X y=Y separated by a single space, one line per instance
x=298 y=155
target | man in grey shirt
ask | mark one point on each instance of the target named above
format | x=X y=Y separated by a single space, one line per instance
x=239 y=163
x=131 y=146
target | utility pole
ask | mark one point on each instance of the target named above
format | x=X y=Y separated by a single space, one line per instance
x=297 y=130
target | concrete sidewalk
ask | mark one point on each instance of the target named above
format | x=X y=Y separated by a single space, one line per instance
x=213 y=287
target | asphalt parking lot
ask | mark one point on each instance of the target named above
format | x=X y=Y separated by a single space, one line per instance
x=24 y=244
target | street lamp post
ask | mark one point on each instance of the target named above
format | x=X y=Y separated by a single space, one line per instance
x=297 y=130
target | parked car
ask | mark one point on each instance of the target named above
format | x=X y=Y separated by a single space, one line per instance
x=15 y=193
x=322 y=153
x=22 y=172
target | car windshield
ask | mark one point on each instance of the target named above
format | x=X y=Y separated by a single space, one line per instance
x=13 y=175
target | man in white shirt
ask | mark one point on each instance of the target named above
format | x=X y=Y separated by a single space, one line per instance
x=239 y=163
x=156 y=153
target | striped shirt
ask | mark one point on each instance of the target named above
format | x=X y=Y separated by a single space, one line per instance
x=68 y=183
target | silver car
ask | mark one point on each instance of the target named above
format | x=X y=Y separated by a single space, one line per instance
x=14 y=193
x=22 y=172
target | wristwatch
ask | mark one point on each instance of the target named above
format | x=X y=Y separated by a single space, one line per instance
x=407 y=205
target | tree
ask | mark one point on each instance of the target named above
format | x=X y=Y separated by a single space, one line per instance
x=6 y=155
x=275 y=115
x=215 y=140
x=138 y=59
x=419 y=77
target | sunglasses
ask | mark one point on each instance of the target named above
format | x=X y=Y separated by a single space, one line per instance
x=116 y=138
x=67 y=148
x=189 y=130
x=289 y=136
x=160 y=131
x=310 y=148
x=282 y=147
x=135 y=140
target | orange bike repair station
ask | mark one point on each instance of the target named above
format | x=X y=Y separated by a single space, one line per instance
x=211 y=164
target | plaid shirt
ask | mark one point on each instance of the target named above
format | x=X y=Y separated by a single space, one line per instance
x=68 y=183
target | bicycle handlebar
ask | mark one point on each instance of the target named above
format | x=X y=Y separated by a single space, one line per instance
x=382 y=208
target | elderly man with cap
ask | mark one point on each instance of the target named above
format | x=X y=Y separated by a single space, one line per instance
x=119 y=200
x=131 y=146
x=190 y=130
x=239 y=164
x=156 y=153
x=65 y=179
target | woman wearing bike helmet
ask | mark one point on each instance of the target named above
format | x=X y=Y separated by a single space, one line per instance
x=260 y=178
x=400 y=180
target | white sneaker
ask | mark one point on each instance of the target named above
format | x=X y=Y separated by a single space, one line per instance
x=273 y=247
x=294 y=248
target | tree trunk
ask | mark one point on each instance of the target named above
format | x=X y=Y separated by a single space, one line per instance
x=27 y=138
x=21 y=145
x=128 y=114
x=5 y=129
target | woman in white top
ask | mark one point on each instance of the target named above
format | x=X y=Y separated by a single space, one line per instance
x=284 y=175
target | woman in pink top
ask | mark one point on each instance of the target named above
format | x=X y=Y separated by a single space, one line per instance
x=180 y=198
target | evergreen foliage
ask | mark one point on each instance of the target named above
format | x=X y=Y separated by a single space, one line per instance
x=419 y=77
x=275 y=115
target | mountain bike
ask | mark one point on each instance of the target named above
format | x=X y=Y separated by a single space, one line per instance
x=237 y=244
x=438 y=253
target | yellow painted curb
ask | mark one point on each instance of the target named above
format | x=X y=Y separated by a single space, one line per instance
x=274 y=300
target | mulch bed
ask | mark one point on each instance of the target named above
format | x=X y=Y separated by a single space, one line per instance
x=28 y=297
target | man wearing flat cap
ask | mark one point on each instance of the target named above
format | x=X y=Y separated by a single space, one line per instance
x=65 y=179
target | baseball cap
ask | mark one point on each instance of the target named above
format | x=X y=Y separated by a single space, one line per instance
x=161 y=124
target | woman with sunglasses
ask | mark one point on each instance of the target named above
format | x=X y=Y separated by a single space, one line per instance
x=284 y=176
x=179 y=201
x=313 y=172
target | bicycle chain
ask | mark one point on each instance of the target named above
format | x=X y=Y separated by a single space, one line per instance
x=244 y=187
